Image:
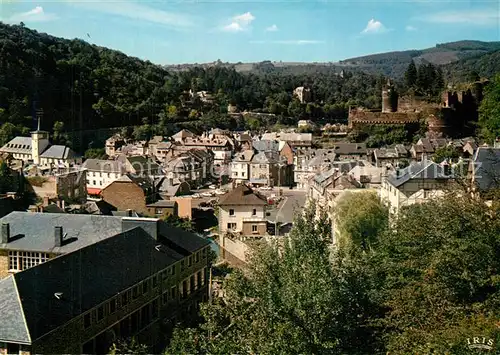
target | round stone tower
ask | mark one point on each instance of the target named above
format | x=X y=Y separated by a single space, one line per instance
x=389 y=98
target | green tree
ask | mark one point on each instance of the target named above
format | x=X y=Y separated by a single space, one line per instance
x=411 y=75
x=59 y=137
x=437 y=276
x=7 y=182
x=360 y=217
x=489 y=111
x=179 y=222
x=95 y=153
x=445 y=153
x=129 y=347
x=295 y=298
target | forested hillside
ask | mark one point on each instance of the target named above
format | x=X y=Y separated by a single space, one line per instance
x=394 y=63
x=484 y=66
x=90 y=87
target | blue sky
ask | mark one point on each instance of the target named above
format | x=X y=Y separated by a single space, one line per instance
x=197 y=31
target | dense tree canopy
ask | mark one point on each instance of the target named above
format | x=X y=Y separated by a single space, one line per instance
x=489 y=111
x=426 y=284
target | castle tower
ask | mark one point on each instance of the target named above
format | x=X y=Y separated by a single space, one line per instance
x=39 y=142
x=389 y=98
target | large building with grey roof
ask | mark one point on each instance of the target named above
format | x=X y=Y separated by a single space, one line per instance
x=38 y=150
x=109 y=278
x=416 y=183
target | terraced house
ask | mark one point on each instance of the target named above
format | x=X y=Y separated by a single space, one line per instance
x=138 y=281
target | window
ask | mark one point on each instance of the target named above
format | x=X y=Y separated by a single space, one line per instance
x=254 y=212
x=172 y=270
x=198 y=278
x=154 y=282
x=158 y=211
x=197 y=257
x=184 y=289
x=112 y=306
x=145 y=286
x=255 y=228
x=231 y=226
x=154 y=310
x=135 y=292
x=165 y=298
x=93 y=182
x=192 y=283
x=182 y=265
x=125 y=299
x=204 y=253
x=100 y=313
x=173 y=292
x=86 y=321
x=190 y=260
x=231 y=212
x=22 y=260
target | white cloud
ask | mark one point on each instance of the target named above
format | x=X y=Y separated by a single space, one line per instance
x=138 y=12
x=469 y=17
x=298 y=42
x=374 y=26
x=272 y=28
x=233 y=27
x=410 y=28
x=240 y=23
x=244 y=19
x=35 y=15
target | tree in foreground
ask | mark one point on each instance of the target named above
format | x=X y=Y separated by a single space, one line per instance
x=489 y=111
x=359 y=219
x=293 y=298
x=425 y=285
x=438 y=278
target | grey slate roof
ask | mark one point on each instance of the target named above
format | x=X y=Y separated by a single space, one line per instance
x=105 y=166
x=35 y=231
x=12 y=326
x=418 y=171
x=97 y=273
x=266 y=145
x=266 y=157
x=487 y=168
x=162 y=203
x=18 y=145
x=59 y=152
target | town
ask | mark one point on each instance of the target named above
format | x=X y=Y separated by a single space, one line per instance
x=301 y=227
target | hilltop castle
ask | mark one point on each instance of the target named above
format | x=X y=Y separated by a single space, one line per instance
x=452 y=117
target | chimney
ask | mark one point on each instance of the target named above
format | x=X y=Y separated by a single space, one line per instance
x=58 y=236
x=5 y=233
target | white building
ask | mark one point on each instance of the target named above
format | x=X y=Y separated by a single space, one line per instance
x=415 y=184
x=240 y=166
x=101 y=173
x=242 y=211
x=37 y=150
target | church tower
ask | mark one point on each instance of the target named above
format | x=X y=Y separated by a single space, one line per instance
x=39 y=143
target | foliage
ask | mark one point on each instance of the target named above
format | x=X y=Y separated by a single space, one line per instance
x=437 y=271
x=7 y=180
x=37 y=181
x=180 y=222
x=95 y=153
x=359 y=219
x=411 y=75
x=59 y=137
x=489 y=111
x=295 y=299
x=129 y=347
x=445 y=153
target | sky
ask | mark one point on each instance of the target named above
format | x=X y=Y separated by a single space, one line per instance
x=199 y=31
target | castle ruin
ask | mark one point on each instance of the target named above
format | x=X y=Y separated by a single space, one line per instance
x=454 y=116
